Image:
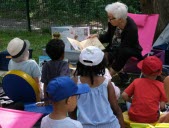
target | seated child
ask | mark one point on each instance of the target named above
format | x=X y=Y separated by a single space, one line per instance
x=63 y=93
x=19 y=50
x=99 y=107
x=56 y=66
x=165 y=117
x=146 y=94
x=116 y=88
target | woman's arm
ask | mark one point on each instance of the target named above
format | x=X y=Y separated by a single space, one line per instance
x=114 y=105
x=107 y=36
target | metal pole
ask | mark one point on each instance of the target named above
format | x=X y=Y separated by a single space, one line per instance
x=28 y=16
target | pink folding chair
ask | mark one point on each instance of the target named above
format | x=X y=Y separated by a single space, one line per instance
x=10 y=118
x=146 y=30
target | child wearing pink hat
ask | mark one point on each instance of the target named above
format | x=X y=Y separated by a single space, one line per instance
x=146 y=94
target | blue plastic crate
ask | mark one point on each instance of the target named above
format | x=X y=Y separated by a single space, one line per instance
x=5 y=58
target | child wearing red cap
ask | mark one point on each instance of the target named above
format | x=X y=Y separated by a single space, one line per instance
x=146 y=94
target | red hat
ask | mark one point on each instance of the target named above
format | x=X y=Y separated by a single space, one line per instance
x=151 y=65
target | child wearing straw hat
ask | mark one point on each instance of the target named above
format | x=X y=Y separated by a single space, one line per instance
x=19 y=50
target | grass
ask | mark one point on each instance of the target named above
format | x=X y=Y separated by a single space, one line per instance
x=38 y=40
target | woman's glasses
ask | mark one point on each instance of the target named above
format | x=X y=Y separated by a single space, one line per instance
x=111 y=19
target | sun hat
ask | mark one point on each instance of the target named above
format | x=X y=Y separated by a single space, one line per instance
x=63 y=87
x=91 y=56
x=151 y=65
x=17 y=46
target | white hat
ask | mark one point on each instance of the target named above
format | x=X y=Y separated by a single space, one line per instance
x=91 y=56
x=16 y=47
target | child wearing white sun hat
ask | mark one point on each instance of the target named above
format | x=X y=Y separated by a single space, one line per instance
x=19 y=51
x=99 y=107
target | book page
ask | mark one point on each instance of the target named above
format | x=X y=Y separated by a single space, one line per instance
x=81 y=33
x=65 y=31
x=76 y=33
x=76 y=44
x=92 y=42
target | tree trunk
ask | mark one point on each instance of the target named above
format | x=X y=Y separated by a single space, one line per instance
x=160 y=7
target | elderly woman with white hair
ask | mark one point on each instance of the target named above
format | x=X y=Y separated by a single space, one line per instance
x=121 y=36
x=19 y=50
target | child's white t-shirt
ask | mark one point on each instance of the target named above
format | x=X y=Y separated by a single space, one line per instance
x=67 y=122
x=109 y=77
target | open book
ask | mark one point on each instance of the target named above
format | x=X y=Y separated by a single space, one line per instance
x=78 y=33
x=85 y=43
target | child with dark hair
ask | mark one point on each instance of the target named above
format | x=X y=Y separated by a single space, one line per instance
x=99 y=107
x=55 y=49
x=56 y=66
x=83 y=70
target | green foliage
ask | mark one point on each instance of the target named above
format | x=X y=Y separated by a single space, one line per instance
x=55 y=13
x=73 y=12
x=48 y=13
x=133 y=5
x=37 y=40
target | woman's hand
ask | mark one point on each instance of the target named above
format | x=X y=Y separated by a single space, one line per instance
x=93 y=35
x=112 y=71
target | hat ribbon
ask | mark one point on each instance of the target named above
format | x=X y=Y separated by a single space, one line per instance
x=22 y=50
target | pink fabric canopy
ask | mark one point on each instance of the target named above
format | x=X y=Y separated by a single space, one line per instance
x=10 y=118
x=146 y=29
